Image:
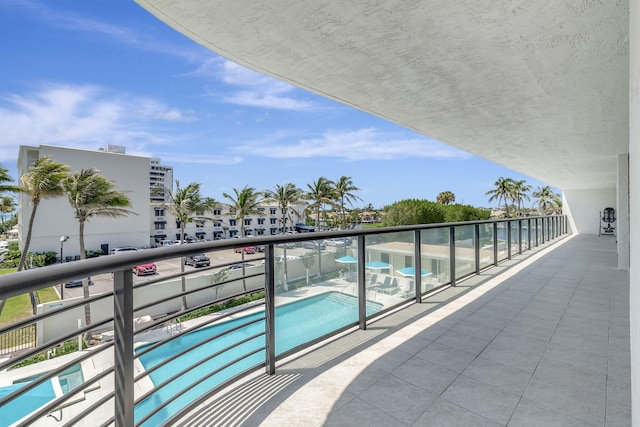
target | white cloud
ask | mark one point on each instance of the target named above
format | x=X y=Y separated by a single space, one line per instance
x=82 y=117
x=248 y=88
x=363 y=144
x=199 y=158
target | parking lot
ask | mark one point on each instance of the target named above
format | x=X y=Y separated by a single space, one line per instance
x=104 y=282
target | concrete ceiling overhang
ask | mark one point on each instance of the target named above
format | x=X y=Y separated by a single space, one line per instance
x=538 y=86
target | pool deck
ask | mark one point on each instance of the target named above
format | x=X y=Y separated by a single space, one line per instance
x=544 y=342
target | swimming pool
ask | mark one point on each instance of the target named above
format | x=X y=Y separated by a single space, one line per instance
x=296 y=323
x=38 y=396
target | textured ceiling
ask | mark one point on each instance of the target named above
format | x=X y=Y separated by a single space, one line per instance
x=538 y=86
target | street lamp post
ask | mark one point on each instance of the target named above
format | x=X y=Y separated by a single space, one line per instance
x=62 y=240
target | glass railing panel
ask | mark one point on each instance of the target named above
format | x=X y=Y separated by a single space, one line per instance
x=486 y=245
x=465 y=250
x=525 y=235
x=435 y=257
x=515 y=238
x=390 y=269
x=502 y=241
x=316 y=290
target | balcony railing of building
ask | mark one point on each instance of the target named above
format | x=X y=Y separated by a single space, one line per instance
x=159 y=347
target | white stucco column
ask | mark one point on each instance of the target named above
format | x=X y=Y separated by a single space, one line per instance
x=634 y=204
x=622 y=212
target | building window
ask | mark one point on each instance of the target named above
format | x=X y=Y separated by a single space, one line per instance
x=217 y=212
x=199 y=223
x=273 y=220
x=159 y=226
x=273 y=211
x=159 y=211
x=177 y=224
x=247 y=221
x=260 y=221
x=232 y=222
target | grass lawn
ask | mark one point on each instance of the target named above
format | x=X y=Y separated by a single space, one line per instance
x=19 y=307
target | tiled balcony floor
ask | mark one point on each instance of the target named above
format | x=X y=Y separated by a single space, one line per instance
x=544 y=343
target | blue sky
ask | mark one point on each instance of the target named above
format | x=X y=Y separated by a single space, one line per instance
x=90 y=73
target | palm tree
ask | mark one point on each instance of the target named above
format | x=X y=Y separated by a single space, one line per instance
x=243 y=203
x=92 y=195
x=547 y=200
x=320 y=193
x=41 y=182
x=4 y=180
x=344 y=190
x=519 y=191
x=285 y=196
x=502 y=192
x=7 y=205
x=186 y=204
x=446 y=198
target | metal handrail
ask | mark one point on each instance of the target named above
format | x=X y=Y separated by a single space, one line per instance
x=547 y=227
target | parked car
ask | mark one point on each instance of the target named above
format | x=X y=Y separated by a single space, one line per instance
x=246 y=250
x=144 y=269
x=338 y=241
x=239 y=266
x=122 y=250
x=198 y=260
x=313 y=244
x=77 y=283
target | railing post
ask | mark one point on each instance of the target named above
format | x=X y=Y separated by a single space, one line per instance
x=123 y=347
x=476 y=238
x=270 y=308
x=542 y=230
x=362 y=285
x=520 y=236
x=418 y=264
x=529 y=233
x=508 y=239
x=495 y=244
x=452 y=255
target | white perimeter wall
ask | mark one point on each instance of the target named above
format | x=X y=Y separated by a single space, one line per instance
x=55 y=217
x=634 y=204
x=584 y=207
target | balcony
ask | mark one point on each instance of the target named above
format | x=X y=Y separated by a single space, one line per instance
x=504 y=330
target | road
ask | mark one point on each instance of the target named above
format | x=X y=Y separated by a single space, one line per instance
x=104 y=282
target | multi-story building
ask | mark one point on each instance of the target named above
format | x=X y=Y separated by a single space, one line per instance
x=55 y=217
x=160 y=179
x=220 y=224
x=160 y=176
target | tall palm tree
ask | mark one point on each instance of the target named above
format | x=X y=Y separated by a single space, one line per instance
x=320 y=193
x=41 y=182
x=502 y=192
x=7 y=205
x=92 y=195
x=344 y=191
x=285 y=196
x=5 y=179
x=446 y=198
x=186 y=204
x=243 y=203
x=547 y=200
x=519 y=192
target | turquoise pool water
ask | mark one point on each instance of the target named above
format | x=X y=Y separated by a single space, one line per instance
x=37 y=397
x=296 y=323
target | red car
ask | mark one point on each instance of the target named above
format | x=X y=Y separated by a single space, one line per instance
x=246 y=250
x=144 y=269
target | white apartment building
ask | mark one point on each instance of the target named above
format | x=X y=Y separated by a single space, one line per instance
x=160 y=176
x=219 y=224
x=55 y=218
x=160 y=179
